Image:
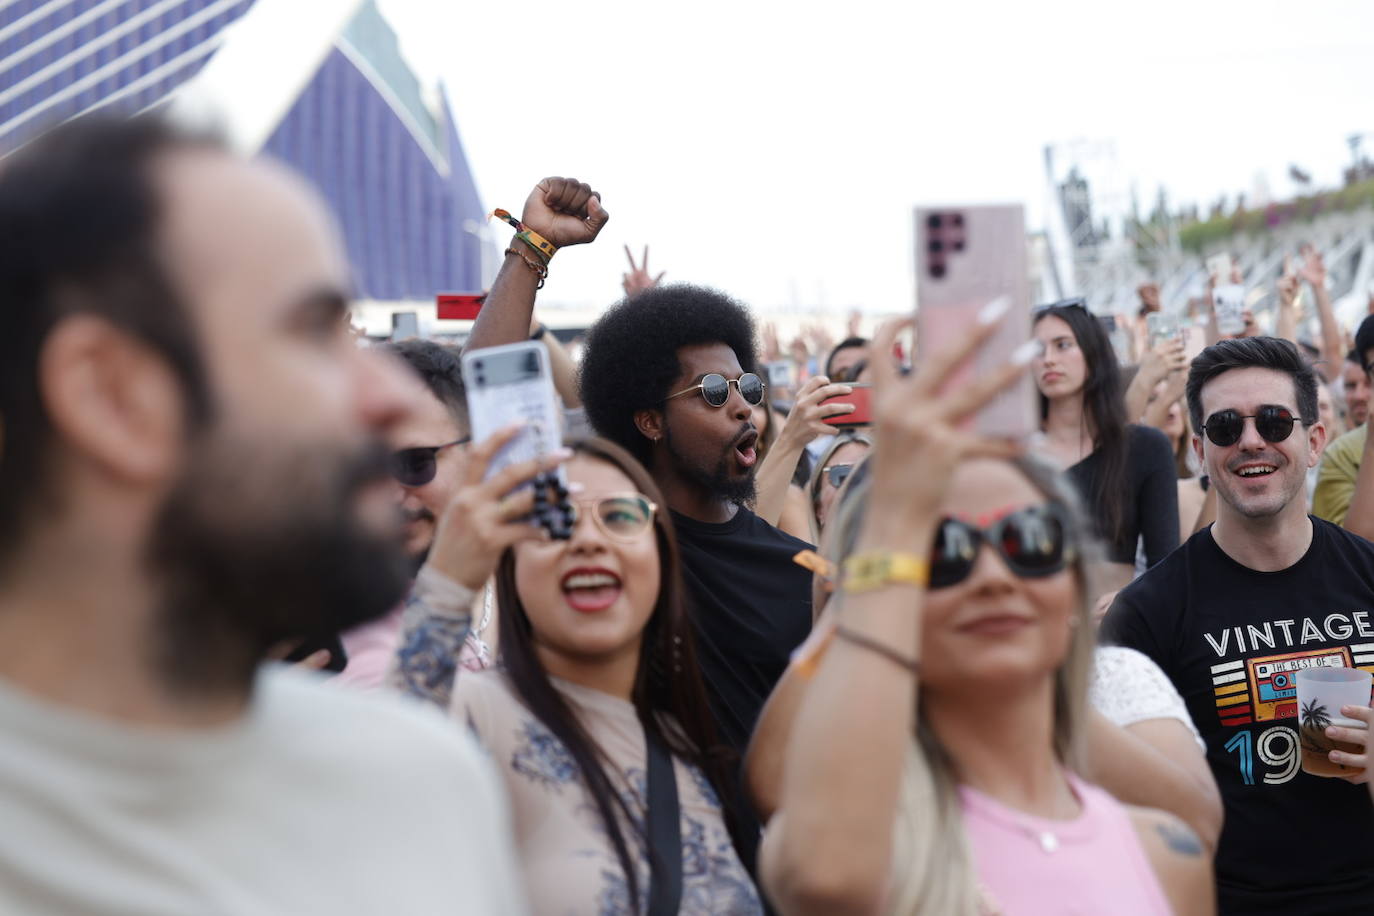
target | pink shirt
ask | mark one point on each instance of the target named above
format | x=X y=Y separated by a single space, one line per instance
x=1033 y=866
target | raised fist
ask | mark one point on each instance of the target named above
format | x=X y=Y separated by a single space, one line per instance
x=565 y=211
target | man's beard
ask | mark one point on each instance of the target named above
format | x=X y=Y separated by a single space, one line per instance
x=717 y=481
x=261 y=543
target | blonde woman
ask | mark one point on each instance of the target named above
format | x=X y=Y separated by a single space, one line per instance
x=983 y=642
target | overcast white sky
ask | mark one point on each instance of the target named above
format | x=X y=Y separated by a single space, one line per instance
x=775 y=150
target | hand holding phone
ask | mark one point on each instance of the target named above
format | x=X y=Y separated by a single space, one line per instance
x=860 y=398
x=512 y=384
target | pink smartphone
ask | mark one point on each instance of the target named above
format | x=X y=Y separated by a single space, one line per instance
x=967 y=257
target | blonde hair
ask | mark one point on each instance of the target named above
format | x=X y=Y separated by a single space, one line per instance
x=932 y=871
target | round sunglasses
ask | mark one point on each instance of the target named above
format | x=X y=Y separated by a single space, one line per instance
x=715 y=389
x=1273 y=423
x=415 y=467
x=1033 y=542
x=621 y=518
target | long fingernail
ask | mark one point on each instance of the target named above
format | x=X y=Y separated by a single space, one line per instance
x=560 y=453
x=1023 y=354
x=992 y=312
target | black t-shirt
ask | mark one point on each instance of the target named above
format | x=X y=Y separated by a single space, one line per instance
x=1230 y=639
x=1149 y=503
x=751 y=605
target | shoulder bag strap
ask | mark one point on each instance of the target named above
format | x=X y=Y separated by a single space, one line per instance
x=665 y=830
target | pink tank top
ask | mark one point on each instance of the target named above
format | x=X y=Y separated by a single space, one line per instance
x=1032 y=866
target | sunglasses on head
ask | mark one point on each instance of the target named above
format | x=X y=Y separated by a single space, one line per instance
x=715 y=388
x=837 y=474
x=1033 y=542
x=1077 y=302
x=415 y=467
x=621 y=518
x=1273 y=423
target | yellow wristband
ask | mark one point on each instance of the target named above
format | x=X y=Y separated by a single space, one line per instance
x=868 y=571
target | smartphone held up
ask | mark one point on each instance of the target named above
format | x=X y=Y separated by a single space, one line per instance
x=966 y=258
x=510 y=385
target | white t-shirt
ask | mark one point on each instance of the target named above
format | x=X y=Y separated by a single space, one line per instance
x=1127 y=687
x=317 y=801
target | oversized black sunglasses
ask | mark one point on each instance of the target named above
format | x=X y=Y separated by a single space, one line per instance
x=715 y=388
x=415 y=467
x=1272 y=422
x=1033 y=542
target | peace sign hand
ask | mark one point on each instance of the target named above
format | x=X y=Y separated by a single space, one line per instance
x=638 y=279
x=565 y=211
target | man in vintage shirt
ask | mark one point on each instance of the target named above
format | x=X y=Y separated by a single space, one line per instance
x=1234 y=613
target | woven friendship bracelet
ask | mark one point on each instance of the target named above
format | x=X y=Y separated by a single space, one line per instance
x=540 y=245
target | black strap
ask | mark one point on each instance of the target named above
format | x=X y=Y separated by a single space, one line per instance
x=665 y=830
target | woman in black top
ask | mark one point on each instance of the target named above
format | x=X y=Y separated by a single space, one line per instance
x=1125 y=472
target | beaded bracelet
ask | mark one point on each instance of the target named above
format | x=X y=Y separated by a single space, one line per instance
x=540 y=270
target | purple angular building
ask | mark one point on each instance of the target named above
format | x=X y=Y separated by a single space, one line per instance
x=322 y=85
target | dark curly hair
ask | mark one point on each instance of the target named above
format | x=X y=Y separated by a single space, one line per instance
x=631 y=354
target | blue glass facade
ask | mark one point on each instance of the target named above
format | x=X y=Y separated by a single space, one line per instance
x=393 y=170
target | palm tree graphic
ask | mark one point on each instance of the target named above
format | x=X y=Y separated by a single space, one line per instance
x=1314 y=716
x=1313 y=721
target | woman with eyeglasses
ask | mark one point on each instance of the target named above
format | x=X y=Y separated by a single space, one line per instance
x=596 y=715
x=1124 y=472
x=932 y=766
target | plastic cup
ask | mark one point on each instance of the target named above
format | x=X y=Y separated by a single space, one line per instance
x=1321 y=694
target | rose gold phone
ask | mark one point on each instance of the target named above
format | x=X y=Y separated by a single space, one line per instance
x=967 y=257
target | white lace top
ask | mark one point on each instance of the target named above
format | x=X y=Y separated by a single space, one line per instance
x=1127 y=687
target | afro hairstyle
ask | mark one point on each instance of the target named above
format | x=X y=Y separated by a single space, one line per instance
x=630 y=357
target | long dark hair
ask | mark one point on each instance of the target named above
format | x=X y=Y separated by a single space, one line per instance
x=667 y=682
x=1104 y=409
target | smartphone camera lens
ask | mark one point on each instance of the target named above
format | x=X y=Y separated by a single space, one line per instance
x=935 y=246
x=934 y=221
x=956 y=220
x=937 y=269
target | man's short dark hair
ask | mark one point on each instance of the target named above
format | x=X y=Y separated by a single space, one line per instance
x=441 y=368
x=631 y=353
x=1354 y=357
x=1364 y=341
x=848 y=343
x=79 y=222
x=1253 y=353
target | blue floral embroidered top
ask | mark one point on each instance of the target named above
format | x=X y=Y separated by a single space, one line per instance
x=570 y=866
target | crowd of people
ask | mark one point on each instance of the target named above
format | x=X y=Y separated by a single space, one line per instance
x=279 y=635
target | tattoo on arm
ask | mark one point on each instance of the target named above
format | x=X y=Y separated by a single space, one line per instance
x=1180 y=839
x=427 y=658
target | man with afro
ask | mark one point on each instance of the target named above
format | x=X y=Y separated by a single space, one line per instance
x=750 y=602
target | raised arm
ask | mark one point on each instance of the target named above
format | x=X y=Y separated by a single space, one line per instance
x=1313 y=272
x=802 y=426
x=563 y=211
x=829 y=848
x=479 y=524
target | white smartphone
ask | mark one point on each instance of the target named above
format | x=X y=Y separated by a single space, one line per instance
x=1228 y=299
x=512 y=384
x=967 y=257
